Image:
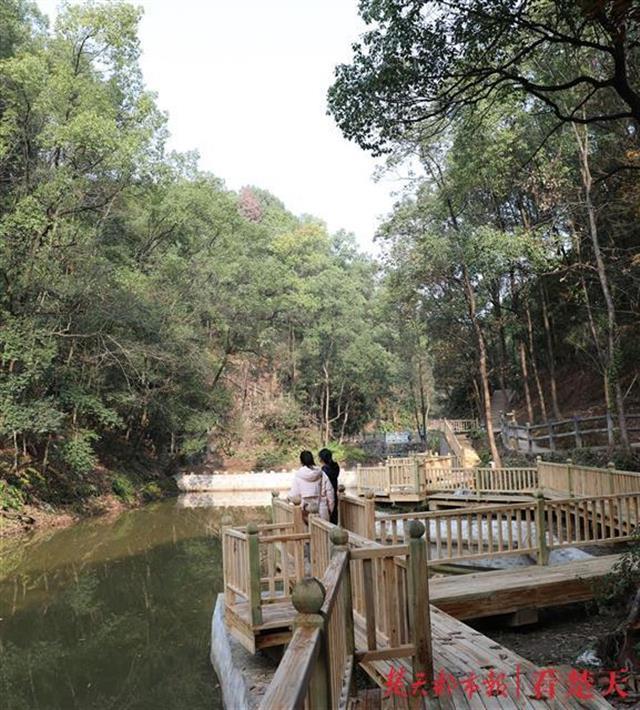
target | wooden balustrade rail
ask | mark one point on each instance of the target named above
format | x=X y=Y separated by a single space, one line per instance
x=596 y=520
x=524 y=528
x=469 y=533
x=580 y=480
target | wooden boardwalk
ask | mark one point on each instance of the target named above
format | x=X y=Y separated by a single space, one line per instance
x=458 y=652
x=359 y=595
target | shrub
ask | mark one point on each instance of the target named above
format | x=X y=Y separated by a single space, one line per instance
x=270 y=458
x=151 y=491
x=123 y=488
x=10 y=496
x=346 y=455
x=621 y=583
x=77 y=452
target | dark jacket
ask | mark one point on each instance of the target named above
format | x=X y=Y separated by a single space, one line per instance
x=332 y=472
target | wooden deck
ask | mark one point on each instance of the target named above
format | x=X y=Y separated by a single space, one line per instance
x=460 y=651
x=481 y=594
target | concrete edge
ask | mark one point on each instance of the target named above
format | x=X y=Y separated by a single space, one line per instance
x=243 y=677
x=234 y=690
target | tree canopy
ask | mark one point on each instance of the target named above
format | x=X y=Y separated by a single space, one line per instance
x=428 y=61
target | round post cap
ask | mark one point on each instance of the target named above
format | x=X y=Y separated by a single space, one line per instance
x=339 y=536
x=308 y=596
x=416 y=529
x=252 y=528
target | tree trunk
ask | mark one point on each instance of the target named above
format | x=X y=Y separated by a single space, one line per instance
x=502 y=340
x=600 y=353
x=587 y=183
x=482 y=360
x=534 y=365
x=550 y=352
x=327 y=392
x=525 y=379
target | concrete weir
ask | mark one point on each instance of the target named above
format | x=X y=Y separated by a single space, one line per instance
x=243 y=678
x=238 y=482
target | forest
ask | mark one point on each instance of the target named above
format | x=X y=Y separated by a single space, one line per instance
x=149 y=312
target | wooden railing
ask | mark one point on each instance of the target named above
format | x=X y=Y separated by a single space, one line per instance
x=286 y=512
x=575 y=433
x=596 y=520
x=261 y=564
x=586 y=480
x=381 y=590
x=459 y=426
x=482 y=480
x=357 y=514
x=470 y=533
x=400 y=475
x=524 y=528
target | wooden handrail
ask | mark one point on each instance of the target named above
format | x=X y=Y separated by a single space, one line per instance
x=290 y=683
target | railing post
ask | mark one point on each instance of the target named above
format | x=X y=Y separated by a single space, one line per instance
x=359 y=477
x=570 y=476
x=307 y=599
x=416 y=476
x=418 y=598
x=340 y=504
x=339 y=543
x=529 y=440
x=552 y=441
x=576 y=432
x=388 y=470
x=255 y=596
x=274 y=496
x=298 y=522
x=541 y=530
x=226 y=522
x=370 y=514
x=611 y=467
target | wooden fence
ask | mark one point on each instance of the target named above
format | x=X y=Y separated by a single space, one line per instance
x=357 y=514
x=580 y=480
x=400 y=475
x=482 y=480
x=575 y=433
x=524 y=528
x=470 y=533
x=458 y=426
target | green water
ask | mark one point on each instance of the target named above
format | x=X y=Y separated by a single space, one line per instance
x=113 y=614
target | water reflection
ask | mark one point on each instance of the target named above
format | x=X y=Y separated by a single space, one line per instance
x=113 y=614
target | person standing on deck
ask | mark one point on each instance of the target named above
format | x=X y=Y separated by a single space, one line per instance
x=332 y=470
x=313 y=486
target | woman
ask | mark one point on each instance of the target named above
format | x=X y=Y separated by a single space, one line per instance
x=332 y=470
x=313 y=486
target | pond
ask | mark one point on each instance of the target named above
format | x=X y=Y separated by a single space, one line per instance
x=114 y=614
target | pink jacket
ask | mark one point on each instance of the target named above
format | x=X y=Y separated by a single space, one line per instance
x=313 y=486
